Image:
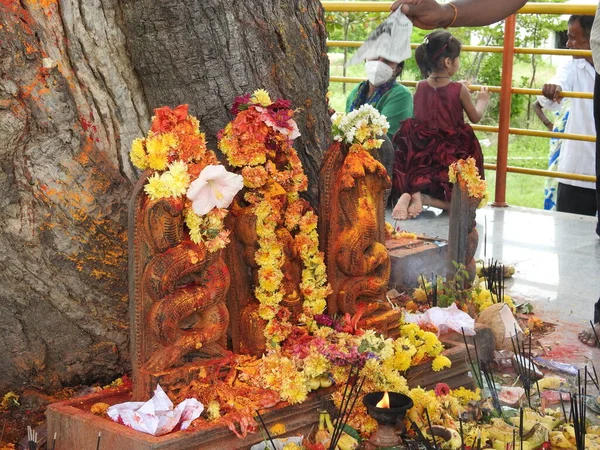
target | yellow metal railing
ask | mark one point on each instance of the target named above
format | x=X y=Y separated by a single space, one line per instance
x=505 y=90
x=486 y=49
x=530 y=8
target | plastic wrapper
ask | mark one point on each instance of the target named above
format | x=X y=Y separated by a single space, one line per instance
x=445 y=320
x=156 y=416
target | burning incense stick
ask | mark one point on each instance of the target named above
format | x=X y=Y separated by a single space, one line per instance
x=98 y=443
x=346 y=416
x=54 y=441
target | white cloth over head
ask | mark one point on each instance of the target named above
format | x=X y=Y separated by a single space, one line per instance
x=390 y=40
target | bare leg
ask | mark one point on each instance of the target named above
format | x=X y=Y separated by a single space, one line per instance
x=436 y=203
x=416 y=205
x=400 y=211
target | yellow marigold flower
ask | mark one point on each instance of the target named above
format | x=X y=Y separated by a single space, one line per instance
x=261 y=97
x=99 y=409
x=158 y=147
x=156 y=188
x=292 y=446
x=315 y=364
x=138 y=154
x=213 y=410
x=440 y=362
x=277 y=429
x=181 y=177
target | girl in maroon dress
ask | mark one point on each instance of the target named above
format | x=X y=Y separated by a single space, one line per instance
x=438 y=135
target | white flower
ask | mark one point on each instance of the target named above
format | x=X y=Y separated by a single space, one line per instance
x=214 y=188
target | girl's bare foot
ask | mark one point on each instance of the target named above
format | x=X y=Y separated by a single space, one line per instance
x=435 y=202
x=589 y=338
x=400 y=211
x=416 y=205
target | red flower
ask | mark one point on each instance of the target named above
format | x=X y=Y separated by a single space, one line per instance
x=441 y=389
x=166 y=118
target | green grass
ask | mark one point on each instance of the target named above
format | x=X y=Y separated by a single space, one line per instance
x=524 y=151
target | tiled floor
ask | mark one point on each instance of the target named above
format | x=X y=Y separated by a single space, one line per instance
x=557 y=260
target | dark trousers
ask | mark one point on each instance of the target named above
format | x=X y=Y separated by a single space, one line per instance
x=597 y=122
x=597 y=312
x=575 y=200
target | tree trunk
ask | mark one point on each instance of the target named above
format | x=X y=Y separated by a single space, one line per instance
x=208 y=53
x=77 y=82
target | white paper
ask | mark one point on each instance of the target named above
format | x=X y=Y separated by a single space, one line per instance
x=390 y=40
x=156 y=416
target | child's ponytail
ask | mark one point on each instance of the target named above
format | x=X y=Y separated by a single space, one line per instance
x=436 y=46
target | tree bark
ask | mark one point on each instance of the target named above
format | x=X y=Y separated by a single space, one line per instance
x=78 y=79
x=207 y=53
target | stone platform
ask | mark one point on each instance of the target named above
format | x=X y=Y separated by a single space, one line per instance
x=77 y=428
x=412 y=257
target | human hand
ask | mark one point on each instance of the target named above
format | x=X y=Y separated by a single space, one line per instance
x=549 y=125
x=483 y=95
x=425 y=14
x=552 y=92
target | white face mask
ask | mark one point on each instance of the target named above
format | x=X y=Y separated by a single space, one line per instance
x=378 y=72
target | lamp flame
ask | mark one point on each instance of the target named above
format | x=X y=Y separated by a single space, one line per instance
x=384 y=402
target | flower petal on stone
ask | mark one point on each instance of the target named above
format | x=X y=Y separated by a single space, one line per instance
x=215 y=187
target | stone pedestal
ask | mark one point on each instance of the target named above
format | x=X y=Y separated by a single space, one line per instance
x=77 y=428
x=412 y=257
x=455 y=376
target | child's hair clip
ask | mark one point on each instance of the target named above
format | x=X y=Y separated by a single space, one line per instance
x=426 y=40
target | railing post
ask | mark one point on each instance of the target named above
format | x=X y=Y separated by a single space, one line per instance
x=505 y=101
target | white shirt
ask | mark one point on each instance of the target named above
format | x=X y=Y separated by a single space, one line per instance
x=595 y=40
x=576 y=156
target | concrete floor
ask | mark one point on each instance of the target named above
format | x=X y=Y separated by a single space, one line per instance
x=557 y=260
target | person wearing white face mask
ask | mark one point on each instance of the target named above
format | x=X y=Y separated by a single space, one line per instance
x=383 y=92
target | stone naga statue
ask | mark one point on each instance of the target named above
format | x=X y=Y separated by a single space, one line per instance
x=352 y=231
x=178 y=280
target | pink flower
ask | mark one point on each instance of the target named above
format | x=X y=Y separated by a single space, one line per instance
x=441 y=389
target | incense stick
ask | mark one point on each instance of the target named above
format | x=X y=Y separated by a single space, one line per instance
x=420 y=434
x=54 y=441
x=346 y=416
x=31 y=438
x=462 y=436
x=595 y=334
x=98 y=443
x=265 y=427
x=476 y=374
x=431 y=429
x=521 y=427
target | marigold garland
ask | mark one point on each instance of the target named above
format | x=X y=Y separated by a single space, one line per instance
x=258 y=144
x=175 y=150
x=465 y=171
